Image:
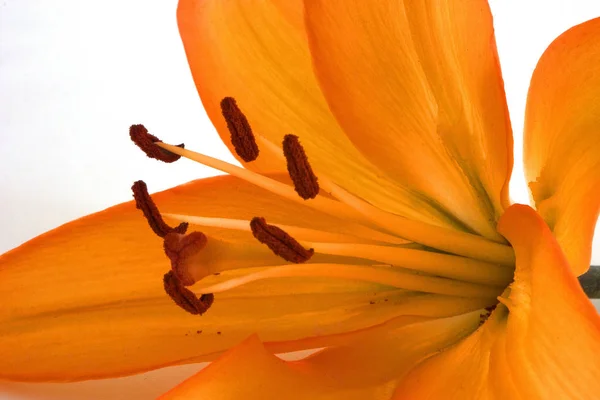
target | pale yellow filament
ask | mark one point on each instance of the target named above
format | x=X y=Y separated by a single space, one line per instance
x=446 y=265
x=320 y=203
x=452 y=241
x=358 y=232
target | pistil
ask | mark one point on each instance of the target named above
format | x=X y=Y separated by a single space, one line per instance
x=384 y=275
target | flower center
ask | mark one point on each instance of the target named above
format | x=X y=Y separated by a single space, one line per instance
x=374 y=246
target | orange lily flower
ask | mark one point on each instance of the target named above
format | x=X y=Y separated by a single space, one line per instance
x=371 y=218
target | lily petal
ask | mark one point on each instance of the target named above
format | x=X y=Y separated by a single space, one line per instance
x=388 y=353
x=257 y=52
x=366 y=368
x=562 y=140
x=417 y=87
x=145 y=386
x=86 y=300
x=541 y=342
x=249 y=371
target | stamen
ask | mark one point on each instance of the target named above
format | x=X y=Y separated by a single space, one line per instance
x=144 y=202
x=147 y=142
x=279 y=241
x=305 y=180
x=320 y=203
x=179 y=248
x=242 y=137
x=184 y=297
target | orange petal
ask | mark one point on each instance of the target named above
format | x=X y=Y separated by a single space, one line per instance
x=389 y=352
x=562 y=140
x=417 y=87
x=136 y=387
x=257 y=52
x=541 y=343
x=367 y=368
x=86 y=300
x=249 y=371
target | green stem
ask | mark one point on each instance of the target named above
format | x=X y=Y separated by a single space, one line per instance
x=590 y=282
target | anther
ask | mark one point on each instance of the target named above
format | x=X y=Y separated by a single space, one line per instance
x=145 y=141
x=184 y=297
x=279 y=241
x=242 y=137
x=144 y=202
x=305 y=180
x=179 y=248
x=486 y=314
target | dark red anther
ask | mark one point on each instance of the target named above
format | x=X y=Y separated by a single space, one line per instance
x=280 y=242
x=242 y=138
x=486 y=314
x=179 y=248
x=144 y=202
x=184 y=297
x=145 y=141
x=299 y=169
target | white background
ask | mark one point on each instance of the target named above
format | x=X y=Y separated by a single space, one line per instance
x=74 y=75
